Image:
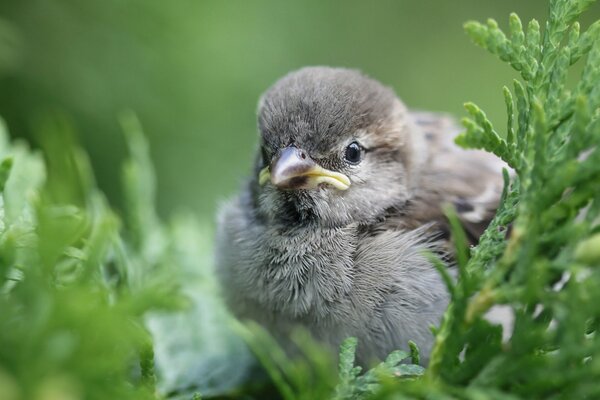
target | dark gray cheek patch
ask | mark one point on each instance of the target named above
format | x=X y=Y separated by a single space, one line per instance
x=296 y=182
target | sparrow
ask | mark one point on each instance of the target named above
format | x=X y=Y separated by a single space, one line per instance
x=333 y=229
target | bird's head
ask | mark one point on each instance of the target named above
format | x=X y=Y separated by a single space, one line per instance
x=336 y=147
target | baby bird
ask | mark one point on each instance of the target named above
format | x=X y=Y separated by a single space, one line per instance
x=330 y=231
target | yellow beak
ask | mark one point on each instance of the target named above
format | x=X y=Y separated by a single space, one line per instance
x=293 y=169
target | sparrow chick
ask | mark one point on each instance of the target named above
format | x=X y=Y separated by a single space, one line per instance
x=346 y=197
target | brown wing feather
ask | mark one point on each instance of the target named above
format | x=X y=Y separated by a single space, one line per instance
x=471 y=180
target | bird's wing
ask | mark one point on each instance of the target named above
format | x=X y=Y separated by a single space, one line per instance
x=471 y=180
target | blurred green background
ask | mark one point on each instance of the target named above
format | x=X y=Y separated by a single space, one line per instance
x=193 y=71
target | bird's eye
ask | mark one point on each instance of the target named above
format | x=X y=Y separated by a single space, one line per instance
x=353 y=153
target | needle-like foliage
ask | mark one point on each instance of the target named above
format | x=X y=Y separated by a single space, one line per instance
x=73 y=285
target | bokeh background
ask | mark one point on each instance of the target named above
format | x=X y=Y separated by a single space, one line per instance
x=193 y=70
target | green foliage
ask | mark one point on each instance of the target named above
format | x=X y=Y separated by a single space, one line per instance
x=309 y=375
x=353 y=385
x=547 y=270
x=87 y=298
x=74 y=287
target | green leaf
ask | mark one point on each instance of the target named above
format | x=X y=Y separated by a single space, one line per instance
x=510 y=132
x=533 y=46
x=395 y=358
x=5 y=168
x=347 y=355
x=480 y=134
x=415 y=356
x=516 y=31
x=477 y=32
x=581 y=45
x=523 y=119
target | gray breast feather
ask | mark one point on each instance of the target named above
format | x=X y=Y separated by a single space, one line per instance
x=411 y=296
x=380 y=289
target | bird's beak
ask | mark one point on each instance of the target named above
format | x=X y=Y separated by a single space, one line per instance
x=294 y=169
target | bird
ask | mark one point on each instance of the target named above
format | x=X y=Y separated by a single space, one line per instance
x=334 y=230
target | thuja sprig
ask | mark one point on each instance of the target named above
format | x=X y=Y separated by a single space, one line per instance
x=550 y=206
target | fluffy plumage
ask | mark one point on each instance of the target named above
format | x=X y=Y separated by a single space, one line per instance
x=350 y=262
